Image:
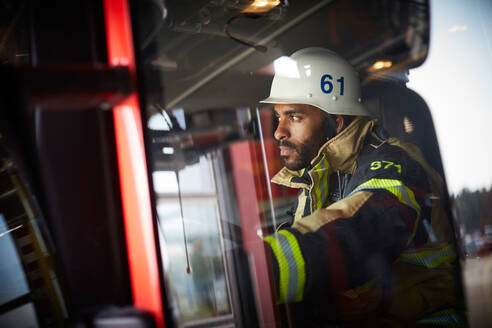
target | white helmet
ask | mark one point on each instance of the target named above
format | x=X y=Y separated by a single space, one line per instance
x=317 y=77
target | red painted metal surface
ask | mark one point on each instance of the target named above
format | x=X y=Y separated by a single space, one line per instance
x=135 y=193
x=249 y=178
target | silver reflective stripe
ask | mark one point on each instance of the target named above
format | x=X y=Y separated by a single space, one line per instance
x=388 y=184
x=431 y=258
x=446 y=318
x=292 y=265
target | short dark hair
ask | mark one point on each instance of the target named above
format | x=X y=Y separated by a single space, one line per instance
x=347 y=119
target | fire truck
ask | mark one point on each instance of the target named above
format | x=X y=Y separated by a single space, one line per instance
x=136 y=159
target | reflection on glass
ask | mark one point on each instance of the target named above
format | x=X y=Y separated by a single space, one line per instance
x=456 y=26
x=191 y=236
x=211 y=85
x=21 y=317
x=13 y=280
x=474 y=210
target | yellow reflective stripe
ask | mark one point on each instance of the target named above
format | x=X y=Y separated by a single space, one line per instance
x=300 y=266
x=316 y=184
x=283 y=267
x=430 y=258
x=356 y=292
x=292 y=271
x=291 y=265
x=446 y=318
x=426 y=253
x=404 y=194
x=317 y=190
x=321 y=186
x=325 y=179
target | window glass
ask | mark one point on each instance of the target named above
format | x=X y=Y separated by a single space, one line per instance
x=23 y=317
x=14 y=280
x=455 y=83
x=462 y=27
x=27 y=272
x=30 y=293
x=189 y=231
x=271 y=214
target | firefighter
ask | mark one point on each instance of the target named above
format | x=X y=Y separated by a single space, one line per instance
x=370 y=243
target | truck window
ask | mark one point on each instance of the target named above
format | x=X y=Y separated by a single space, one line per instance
x=214 y=149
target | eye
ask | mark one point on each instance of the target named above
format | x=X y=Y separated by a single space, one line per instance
x=295 y=118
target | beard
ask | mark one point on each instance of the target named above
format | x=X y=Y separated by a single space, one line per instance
x=303 y=153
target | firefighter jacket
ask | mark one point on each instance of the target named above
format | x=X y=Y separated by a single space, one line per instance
x=370 y=237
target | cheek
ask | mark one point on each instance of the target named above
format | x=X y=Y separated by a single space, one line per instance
x=309 y=132
x=301 y=132
x=299 y=138
x=315 y=138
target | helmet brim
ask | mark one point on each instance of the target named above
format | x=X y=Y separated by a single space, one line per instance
x=355 y=109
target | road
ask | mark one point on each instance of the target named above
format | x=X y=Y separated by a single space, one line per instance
x=478 y=290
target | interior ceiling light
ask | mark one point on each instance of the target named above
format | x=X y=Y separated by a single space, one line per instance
x=380 y=64
x=260 y=6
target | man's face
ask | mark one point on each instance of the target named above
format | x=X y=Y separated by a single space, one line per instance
x=300 y=133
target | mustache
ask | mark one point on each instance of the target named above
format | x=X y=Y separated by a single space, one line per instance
x=285 y=143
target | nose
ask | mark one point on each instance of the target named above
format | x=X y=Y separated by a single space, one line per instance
x=282 y=132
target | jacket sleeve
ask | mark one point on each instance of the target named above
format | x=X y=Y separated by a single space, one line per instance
x=349 y=243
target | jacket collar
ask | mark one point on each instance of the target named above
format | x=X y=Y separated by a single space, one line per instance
x=338 y=153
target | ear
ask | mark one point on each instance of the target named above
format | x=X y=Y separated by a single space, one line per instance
x=340 y=123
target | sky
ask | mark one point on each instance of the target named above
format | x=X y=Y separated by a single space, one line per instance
x=456 y=83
